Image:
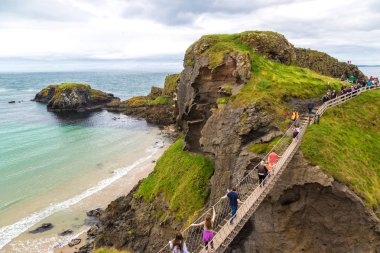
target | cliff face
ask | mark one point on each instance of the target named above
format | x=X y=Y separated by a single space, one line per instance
x=200 y=87
x=230 y=97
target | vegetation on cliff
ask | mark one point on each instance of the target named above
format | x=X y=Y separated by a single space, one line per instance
x=272 y=83
x=171 y=84
x=181 y=178
x=346 y=144
x=109 y=250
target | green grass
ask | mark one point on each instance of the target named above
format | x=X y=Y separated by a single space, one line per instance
x=263 y=148
x=109 y=250
x=170 y=86
x=181 y=178
x=347 y=143
x=271 y=83
x=161 y=100
x=72 y=85
x=223 y=100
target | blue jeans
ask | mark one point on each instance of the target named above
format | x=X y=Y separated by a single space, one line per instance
x=234 y=210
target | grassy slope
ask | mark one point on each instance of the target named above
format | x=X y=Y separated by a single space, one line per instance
x=272 y=83
x=181 y=178
x=347 y=144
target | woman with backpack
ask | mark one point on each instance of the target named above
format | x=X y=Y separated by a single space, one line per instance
x=262 y=172
x=208 y=233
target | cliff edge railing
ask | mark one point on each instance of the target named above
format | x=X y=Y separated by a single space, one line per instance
x=250 y=191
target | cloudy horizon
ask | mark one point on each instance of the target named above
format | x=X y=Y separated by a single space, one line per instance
x=153 y=35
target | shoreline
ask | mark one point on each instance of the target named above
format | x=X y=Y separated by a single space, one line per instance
x=49 y=240
x=133 y=178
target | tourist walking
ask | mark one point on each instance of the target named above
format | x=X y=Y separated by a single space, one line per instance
x=234 y=201
x=178 y=245
x=262 y=172
x=296 y=131
x=310 y=106
x=272 y=160
x=295 y=116
x=208 y=233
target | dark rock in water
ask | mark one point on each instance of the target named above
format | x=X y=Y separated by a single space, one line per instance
x=95 y=213
x=66 y=232
x=73 y=97
x=44 y=227
x=74 y=242
x=92 y=231
x=11 y=102
x=86 y=248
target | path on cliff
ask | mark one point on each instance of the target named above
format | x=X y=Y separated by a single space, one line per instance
x=251 y=193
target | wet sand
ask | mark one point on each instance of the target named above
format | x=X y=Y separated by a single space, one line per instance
x=124 y=185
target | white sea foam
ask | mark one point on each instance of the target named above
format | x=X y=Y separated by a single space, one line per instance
x=47 y=244
x=9 y=232
x=3 y=90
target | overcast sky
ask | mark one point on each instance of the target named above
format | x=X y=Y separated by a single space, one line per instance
x=152 y=35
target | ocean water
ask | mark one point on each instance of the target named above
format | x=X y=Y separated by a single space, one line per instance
x=371 y=71
x=50 y=162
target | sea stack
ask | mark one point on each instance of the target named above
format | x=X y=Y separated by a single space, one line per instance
x=73 y=97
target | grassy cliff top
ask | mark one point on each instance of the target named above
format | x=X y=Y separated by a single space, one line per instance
x=181 y=178
x=73 y=85
x=346 y=144
x=274 y=77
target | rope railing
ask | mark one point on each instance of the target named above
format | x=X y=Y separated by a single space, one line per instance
x=251 y=193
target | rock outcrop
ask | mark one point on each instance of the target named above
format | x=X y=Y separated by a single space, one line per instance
x=131 y=223
x=72 y=97
x=326 y=65
x=156 y=108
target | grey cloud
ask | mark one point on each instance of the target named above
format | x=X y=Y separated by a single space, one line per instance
x=184 y=12
x=41 y=10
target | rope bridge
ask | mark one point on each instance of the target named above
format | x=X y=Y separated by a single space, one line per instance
x=250 y=192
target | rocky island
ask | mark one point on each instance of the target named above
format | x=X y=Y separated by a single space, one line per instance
x=73 y=97
x=158 y=107
x=231 y=102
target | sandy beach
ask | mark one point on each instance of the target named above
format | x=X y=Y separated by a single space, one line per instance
x=49 y=241
x=121 y=187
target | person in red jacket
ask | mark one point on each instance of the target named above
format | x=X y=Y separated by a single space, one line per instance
x=272 y=160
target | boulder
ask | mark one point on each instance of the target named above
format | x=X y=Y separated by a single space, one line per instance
x=155 y=92
x=66 y=232
x=95 y=213
x=44 y=227
x=74 y=242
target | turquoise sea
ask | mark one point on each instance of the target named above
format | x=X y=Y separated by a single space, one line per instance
x=50 y=162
